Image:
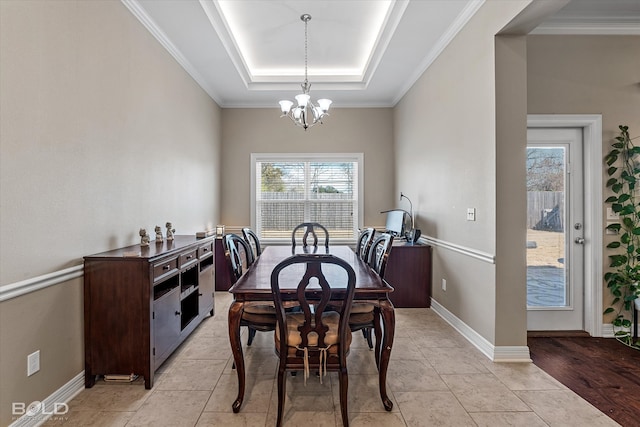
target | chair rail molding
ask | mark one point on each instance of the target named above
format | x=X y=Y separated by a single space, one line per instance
x=23 y=287
x=470 y=252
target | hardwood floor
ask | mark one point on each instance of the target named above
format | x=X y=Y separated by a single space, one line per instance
x=603 y=371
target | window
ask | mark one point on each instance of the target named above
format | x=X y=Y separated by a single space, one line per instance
x=288 y=189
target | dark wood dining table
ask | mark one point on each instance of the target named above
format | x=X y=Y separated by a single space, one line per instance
x=255 y=286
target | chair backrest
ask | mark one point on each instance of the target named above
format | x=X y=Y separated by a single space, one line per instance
x=379 y=253
x=235 y=250
x=365 y=239
x=310 y=228
x=254 y=243
x=314 y=299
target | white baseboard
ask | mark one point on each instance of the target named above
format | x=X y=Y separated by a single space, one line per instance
x=496 y=354
x=63 y=395
x=607 y=330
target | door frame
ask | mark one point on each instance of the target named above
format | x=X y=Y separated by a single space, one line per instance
x=591 y=125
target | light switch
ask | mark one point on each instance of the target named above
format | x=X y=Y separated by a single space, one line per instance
x=471 y=214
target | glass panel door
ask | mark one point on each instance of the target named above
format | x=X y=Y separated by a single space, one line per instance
x=555 y=244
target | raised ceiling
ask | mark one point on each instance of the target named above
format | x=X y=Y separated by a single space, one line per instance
x=361 y=53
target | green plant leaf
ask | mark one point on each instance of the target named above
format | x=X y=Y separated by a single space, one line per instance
x=627 y=210
x=615 y=227
x=617 y=260
x=625 y=238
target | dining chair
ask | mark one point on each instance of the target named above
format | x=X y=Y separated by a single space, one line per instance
x=366 y=316
x=258 y=316
x=310 y=229
x=362 y=314
x=379 y=253
x=312 y=338
x=253 y=241
x=365 y=239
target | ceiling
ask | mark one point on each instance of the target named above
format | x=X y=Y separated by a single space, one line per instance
x=251 y=53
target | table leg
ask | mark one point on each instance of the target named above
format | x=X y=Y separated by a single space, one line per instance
x=235 y=313
x=389 y=322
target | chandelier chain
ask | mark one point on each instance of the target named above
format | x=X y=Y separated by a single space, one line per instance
x=306 y=22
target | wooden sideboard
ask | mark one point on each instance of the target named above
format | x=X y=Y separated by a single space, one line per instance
x=409 y=272
x=140 y=303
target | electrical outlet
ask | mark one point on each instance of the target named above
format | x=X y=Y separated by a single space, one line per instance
x=33 y=363
x=471 y=214
x=444 y=285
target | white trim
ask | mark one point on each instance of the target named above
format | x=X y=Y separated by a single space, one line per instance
x=607 y=331
x=496 y=354
x=140 y=13
x=591 y=125
x=63 y=395
x=592 y=28
x=17 y=289
x=473 y=253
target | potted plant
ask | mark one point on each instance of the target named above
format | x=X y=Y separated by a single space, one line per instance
x=623 y=278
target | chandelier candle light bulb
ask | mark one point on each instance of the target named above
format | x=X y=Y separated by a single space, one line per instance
x=300 y=114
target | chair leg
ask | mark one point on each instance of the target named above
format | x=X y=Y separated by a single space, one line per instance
x=366 y=332
x=252 y=335
x=282 y=382
x=344 y=387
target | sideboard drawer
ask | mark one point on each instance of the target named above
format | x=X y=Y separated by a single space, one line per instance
x=164 y=268
x=188 y=258
x=205 y=250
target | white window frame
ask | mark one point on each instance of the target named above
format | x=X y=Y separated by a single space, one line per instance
x=310 y=157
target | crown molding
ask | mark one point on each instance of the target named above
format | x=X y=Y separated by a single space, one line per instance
x=140 y=13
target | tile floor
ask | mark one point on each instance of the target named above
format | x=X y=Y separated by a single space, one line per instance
x=436 y=378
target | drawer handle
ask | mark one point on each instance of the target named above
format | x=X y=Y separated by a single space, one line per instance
x=189 y=256
x=166 y=267
x=177 y=313
x=205 y=249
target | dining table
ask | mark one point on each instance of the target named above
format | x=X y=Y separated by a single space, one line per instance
x=254 y=286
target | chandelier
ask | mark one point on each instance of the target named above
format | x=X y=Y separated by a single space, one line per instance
x=306 y=113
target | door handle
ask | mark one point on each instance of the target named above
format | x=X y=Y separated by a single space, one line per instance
x=579 y=240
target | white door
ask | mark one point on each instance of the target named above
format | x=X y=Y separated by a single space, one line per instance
x=555 y=229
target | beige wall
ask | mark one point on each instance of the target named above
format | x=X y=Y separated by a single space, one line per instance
x=352 y=130
x=587 y=75
x=101 y=133
x=446 y=136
